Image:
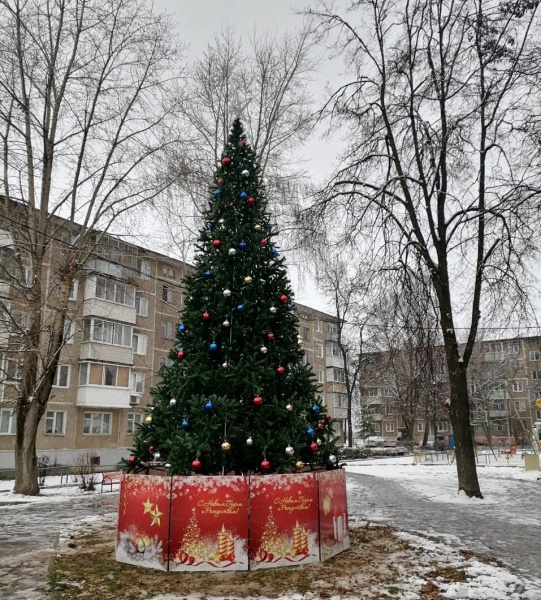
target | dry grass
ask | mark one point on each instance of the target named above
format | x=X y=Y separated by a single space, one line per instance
x=375 y=567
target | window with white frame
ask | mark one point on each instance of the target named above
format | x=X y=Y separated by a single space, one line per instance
x=498 y=426
x=137 y=382
x=319 y=374
x=115 y=291
x=306 y=334
x=106 y=267
x=498 y=405
x=319 y=325
x=166 y=330
x=111 y=332
x=340 y=400
x=377 y=427
x=442 y=426
x=371 y=392
x=134 y=419
x=55 y=422
x=520 y=405
x=143 y=268
x=168 y=272
x=514 y=364
x=493 y=347
x=74 y=289
x=331 y=328
x=535 y=375
x=518 y=386
x=512 y=348
x=389 y=427
x=62 y=377
x=420 y=427
x=307 y=357
x=97 y=423
x=141 y=306
x=139 y=343
x=165 y=362
x=334 y=350
x=69 y=331
x=389 y=409
x=319 y=350
x=534 y=354
x=167 y=294
x=110 y=373
x=339 y=375
x=8 y=421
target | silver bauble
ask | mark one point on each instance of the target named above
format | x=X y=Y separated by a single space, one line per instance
x=232 y=251
x=226 y=323
x=172 y=402
x=263 y=350
x=332 y=459
x=227 y=293
x=249 y=441
x=272 y=309
x=290 y=451
x=246 y=173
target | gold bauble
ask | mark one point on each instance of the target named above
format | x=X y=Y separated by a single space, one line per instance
x=148 y=420
x=226 y=447
x=318 y=442
x=289 y=408
x=248 y=280
x=257 y=227
x=326 y=505
x=299 y=464
x=226 y=323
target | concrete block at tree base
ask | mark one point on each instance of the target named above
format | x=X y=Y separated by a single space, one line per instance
x=531 y=462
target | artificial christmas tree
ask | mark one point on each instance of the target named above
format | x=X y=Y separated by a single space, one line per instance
x=237 y=398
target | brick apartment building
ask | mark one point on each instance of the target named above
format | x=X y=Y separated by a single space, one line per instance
x=121 y=323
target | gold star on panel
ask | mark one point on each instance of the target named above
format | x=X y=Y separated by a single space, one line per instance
x=156 y=514
x=147 y=506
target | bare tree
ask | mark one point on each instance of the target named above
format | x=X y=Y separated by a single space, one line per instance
x=87 y=107
x=441 y=166
x=266 y=82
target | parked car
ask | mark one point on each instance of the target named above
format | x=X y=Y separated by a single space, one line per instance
x=440 y=442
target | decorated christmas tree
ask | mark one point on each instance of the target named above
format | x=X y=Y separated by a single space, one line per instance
x=237 y=398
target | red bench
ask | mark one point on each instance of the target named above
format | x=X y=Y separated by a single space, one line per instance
x=111 y=479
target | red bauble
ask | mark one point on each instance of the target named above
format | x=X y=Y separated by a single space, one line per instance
x=264 y=241
x=242 y=142
x=258 y=400
x=216 y=243
x=265 y=465
x=181 y=354
x=280 y=370
x=270 y=557
x=226 y=161
x=196 y=464
x=328 y=417
x=283 y=299
x=270 y=336
x=205 y=316
x=313 y=447
x=191 y=560
x=151 y=448
x=220 y=181
x=250 y=201
x=320 y=425
x=132 y=458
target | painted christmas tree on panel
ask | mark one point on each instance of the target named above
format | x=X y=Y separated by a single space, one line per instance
x=237 y=398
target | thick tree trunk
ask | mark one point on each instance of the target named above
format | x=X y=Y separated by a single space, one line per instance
x=460 y=419
x=350 y=424
x=26 y=462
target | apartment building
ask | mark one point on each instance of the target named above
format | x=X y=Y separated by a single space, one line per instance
x=504 y=381
x=121 y=324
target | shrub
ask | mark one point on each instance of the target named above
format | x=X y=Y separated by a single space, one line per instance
x=84 y=467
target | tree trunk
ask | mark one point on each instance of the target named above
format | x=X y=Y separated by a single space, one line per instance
x=26 y=462
x=460 y=419
x=350 y=424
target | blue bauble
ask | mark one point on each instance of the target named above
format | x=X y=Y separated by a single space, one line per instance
x=243 y=245
x=240 y=167
x=310 y=431
x=185 y=424
x=213 y=346
x=240 y=307
x=315 y=408
x=181 y=328
x=243 y=195
x=217 y=193
x=208 y=405
x=289 y=307
x=210 y=224
x=274 y=252
x=202 y=235
x=207 y=273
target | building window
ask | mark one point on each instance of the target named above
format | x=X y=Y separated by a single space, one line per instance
x=339 y=375
x=535 y=374
x=95 y=423
x=166 y=330
x=512 y=348
x=389 y=427
x=340 y=401
x=83 y=373
x=498 y=426
x=319 y=374
x=534 y=354
x=106 y=267
x=110 y=332
x=517 y=386
x=109 y=375
x=307 y=357
x=167 y=294
x=334 y=350
x=538 y=415
x=420 y=427
x=62 y=377
x=69 y=331
x=377 y=427
x=514 y=364
x=389 y=409
x=133 y=420
x=74 y=290
x=139 y=343
x=319 y=325
x=168 y=272
x=319 y=350
x=115 y=291
x=137 y=382
x=165 y=362
x=520 y=406
x=55 y=422
x=306 y=334
x=143 y=268
x=8 y=421
x=371 y=392
x=498 y=405
x=141 y=306
x=493 y=347
x=442 y=426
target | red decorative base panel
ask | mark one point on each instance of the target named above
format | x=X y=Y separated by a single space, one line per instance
x=231 y=523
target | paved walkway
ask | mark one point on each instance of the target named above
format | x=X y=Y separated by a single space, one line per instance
x=495 y=530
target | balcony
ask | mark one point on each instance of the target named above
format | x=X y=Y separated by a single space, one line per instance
x=95 y=307
x=103 y=396
x=106 y=353
x=495 y=414
x=334 y=361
